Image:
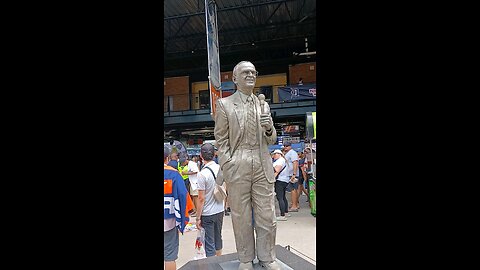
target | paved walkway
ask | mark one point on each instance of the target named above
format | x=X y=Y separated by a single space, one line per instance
x=299 y=232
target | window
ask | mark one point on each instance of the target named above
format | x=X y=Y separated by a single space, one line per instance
x=267 y=91
x=170 y=103
x=204 y=99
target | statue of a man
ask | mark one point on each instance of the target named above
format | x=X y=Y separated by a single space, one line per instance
x=243 y=130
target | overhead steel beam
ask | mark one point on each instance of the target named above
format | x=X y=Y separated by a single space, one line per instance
x=273 y=13
x=247 y=46
x=228 y=66
x=228 y=41
x=181 y=27
x=300 y=11
x=288 y=11
x=226 y=9
x=242 y=30
x=248 y=17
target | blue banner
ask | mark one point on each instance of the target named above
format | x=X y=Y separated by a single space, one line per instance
x=228 y=86
x=298 y=147
x=297 y=92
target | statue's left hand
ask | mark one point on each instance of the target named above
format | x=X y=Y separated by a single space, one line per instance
x=265 y=122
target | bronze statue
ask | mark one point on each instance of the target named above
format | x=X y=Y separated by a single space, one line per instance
x=243 y=130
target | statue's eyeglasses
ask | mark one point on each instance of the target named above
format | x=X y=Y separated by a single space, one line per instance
x=250 y=72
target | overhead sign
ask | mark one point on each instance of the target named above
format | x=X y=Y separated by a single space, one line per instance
x=291 y=129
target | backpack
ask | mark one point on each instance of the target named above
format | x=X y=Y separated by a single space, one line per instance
x=219 y=192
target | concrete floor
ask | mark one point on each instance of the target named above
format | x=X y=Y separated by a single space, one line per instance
x=299 y=232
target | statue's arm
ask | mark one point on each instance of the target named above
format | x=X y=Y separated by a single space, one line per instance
x=221 y=134
x=271 y=137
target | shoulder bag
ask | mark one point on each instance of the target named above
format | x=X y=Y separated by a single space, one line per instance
x=219 y=192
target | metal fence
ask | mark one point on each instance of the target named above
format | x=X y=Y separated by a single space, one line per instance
x=201 y=101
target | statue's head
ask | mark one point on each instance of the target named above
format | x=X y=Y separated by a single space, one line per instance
x=244 y=76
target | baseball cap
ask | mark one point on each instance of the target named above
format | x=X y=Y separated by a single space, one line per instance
x=208 y=151
x=277 y=152
x=285 y=144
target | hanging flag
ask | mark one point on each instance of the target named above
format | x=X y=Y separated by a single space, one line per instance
x=214 y=80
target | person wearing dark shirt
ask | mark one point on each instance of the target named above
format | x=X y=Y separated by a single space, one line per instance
x=302 y=176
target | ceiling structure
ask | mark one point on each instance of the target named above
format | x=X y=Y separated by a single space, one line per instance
x=267 y=32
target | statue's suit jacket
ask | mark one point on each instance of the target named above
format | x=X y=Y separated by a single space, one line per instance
x=229 y=131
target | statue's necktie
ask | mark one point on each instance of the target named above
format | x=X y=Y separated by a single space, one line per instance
x=251 y=119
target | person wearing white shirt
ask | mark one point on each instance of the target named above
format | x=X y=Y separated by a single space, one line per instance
x=192 y=175
x=281 y=182
x=291 y=157
x=209 y=210
x=191 y=170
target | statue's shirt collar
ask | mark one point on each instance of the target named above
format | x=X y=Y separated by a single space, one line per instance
x=244 y=97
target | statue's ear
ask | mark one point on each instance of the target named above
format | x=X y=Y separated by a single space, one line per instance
x=234 y=78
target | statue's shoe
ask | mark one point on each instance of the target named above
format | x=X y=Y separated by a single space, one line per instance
x=270 y=265
x=245 y=266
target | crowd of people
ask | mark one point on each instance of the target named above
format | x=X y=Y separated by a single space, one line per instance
x=291 y=175
x=189 y=192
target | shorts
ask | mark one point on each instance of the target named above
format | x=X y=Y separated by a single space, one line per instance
x=193 y=192
x=170 y=245
x=300 y=180
x=295 y=185
x=291 y=186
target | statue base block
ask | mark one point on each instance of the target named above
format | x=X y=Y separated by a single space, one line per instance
x=285 y=258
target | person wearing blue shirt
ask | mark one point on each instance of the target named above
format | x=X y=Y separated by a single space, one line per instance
x=176 y=204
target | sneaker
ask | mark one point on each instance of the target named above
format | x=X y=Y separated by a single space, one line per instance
x=226 y=213
x=288 y=214
x=282 y=218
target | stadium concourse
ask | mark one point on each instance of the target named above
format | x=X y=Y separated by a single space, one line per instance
x=298 y=232
x=279 y=38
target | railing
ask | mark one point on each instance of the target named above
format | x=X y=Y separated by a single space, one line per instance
x=182 y=102
x=273 y=107
x=200 y=103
